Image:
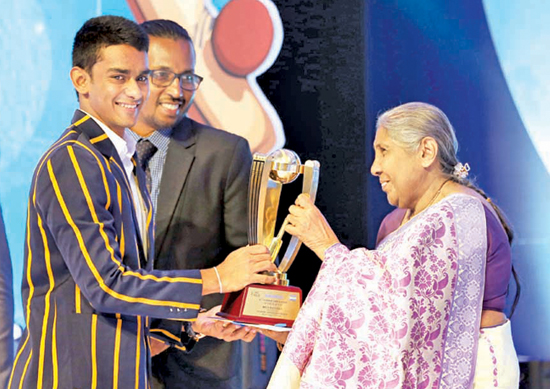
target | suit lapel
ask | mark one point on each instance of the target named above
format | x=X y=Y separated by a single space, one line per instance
x=179 y=159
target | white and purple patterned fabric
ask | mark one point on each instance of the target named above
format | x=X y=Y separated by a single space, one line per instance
x=405 y=315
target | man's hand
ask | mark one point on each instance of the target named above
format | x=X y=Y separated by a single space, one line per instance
x=278 y=336
x=238 y=270
x=221 y=329
x=157 y=346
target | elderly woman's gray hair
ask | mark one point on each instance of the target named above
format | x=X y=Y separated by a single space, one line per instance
x=409 y=123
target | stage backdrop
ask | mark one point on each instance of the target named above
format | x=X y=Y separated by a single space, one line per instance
x=315 y=74
x=485 y=64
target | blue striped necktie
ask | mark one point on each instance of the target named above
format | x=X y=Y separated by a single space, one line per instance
x=145 y=151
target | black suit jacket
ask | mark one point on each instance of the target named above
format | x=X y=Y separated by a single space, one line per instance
x=202 y=217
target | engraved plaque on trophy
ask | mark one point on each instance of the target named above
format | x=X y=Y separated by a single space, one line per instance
x=276 y=304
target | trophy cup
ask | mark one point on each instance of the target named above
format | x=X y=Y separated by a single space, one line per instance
x=276 y=304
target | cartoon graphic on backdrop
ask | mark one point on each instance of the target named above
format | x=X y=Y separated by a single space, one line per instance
x=235 y=41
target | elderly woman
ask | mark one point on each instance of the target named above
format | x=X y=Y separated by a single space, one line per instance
x=426 y=308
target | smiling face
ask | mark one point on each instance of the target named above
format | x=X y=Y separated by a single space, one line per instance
x=166 y=106
x=400 y=171
x=116 y=88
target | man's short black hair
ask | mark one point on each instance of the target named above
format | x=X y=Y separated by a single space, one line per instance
x=104 y=31
x=162 y=28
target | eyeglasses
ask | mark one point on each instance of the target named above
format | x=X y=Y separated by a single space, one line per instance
x=188 y=81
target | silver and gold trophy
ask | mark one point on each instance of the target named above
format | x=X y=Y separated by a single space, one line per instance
x=276 y=304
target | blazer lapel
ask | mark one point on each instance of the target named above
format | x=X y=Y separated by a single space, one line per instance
x=88 y=127
x=179 y=159
x=95 y=135
x=98 y=138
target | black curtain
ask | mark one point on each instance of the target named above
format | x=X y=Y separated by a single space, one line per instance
x=317 y=84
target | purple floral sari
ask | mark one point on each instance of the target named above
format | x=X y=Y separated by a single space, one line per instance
x=405 y=315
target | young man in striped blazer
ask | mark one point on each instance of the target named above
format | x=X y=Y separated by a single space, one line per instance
x=88 y=287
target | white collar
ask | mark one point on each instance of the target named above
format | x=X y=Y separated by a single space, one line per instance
x=125 y=147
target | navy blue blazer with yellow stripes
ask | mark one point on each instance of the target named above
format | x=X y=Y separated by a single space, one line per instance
x=88 y=287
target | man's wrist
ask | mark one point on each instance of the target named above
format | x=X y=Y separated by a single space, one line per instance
x=210 y=283
x=195 y=325
x=192 y=334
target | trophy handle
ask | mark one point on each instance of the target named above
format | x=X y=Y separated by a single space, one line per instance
x=253 y=196
x=310 y=185
x=263 y=202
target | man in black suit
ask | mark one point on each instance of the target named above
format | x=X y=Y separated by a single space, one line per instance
x=199 y=183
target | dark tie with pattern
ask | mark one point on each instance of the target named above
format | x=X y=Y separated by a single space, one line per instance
x=145 y=150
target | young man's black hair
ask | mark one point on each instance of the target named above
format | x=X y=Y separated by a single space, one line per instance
x=104 y=31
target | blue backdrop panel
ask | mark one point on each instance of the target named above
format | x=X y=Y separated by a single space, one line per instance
x=36 y=98
x=341 y=64
x=443 y=53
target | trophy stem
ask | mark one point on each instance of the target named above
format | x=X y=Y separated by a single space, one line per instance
x=281 y=278
x=277 y=242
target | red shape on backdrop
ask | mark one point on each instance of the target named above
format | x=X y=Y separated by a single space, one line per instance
x=136 y=11
x=242 y=36
x=196 y=114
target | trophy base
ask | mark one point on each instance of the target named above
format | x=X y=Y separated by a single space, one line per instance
x=263 y=304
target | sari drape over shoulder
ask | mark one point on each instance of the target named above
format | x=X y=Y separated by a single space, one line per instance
x=405 y=315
